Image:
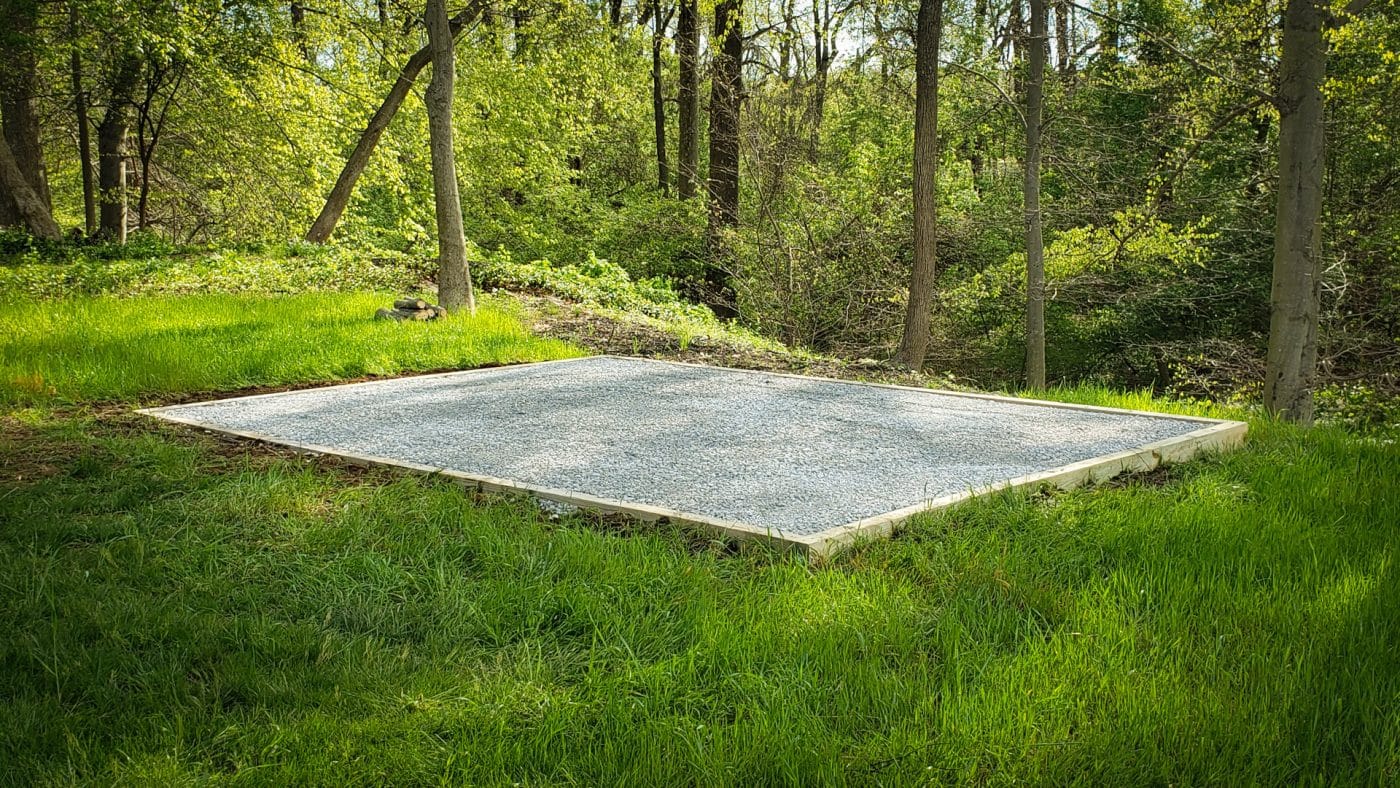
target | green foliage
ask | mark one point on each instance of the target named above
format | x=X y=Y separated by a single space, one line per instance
x=825 y=253
x=152 y=267
x=595 y=281
x=1361 y=408
x=1114 y=293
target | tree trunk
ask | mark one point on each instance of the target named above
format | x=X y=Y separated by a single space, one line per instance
x=687 y=99
x=1016 y=35
x=381 y=8
x=914 y=344
x=1109 y=34
x=80 y=111
x=299 y=32
x=658 y=98
x=726 y=91
x=339 y=197
x=1035 y=248
x=977 y=161
x=1062 y=47
x=150 y=125
x=520 y=38
x=726 y=88
x=19 y=194
x=143 y=192
x=111 y=154
x=1295 y=300
x=822 y=56
x=787 y=40
x=19 y=78
x=454 y=280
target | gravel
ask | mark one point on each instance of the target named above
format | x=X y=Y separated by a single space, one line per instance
x=797 y=455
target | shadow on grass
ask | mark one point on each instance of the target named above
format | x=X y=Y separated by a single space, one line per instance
x=174 y=610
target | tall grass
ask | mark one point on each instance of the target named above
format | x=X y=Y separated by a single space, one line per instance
x=174 y=611
x=109 y=348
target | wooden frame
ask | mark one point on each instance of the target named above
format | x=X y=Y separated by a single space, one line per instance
x=1213 y=435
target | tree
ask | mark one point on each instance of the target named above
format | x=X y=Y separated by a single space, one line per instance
x=1291 y=363
x=80 y=118
x=826 y=30
x=339 y=197
x=658 y=96
x=687 y=99
x=20 y=194
x=19 y=81
x=454 y=279
x=726 y=93
x=111 y=148
x=1063 y=62
x=914 y=344
x=152 y=111
x=1035 y=246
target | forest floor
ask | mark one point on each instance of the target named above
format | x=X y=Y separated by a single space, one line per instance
x=628 y=334
x=177 y=606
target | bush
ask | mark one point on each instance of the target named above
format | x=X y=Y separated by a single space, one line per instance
x=825 y=260
x=154 y=268
x=595 y=281
x=300 y=268
x=1117 y=295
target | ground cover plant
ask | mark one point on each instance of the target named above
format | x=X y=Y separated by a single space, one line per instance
x=178 y=607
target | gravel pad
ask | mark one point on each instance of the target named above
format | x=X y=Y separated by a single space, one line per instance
x=792 y=454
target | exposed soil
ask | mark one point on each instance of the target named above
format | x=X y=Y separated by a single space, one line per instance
x=623 y=336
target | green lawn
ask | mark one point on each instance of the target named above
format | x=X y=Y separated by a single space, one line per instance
x=178 y=608
x=109 y=348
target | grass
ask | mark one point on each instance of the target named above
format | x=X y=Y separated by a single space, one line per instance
x=107 y=348
x=176 y=608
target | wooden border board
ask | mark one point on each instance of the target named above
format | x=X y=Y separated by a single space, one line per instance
x=1213 y=435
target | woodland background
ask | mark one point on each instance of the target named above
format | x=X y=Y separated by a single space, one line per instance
x=587 y=137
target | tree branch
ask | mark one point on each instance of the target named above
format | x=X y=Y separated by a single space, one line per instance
x=1175 y=50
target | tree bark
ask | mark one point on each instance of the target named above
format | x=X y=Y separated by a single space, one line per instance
x=687 y=99
x=658 y=97
x=1035 y=248
x=339 y=197
x=726 y=91
x=20 y=194
x=726 y=88
x=299 y=32
x=913 y=346
x=1291 y=366
x=19 y=78
x=823 y=52
x=381 y=8
x=454 y=280
x=111 y=175
x=80 y=111
x=150 y=124
x=1016 y=38
x=520 y=38
x=111 y=153
x=1062 y=47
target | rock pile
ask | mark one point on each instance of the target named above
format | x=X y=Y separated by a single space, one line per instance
x=411 y=309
